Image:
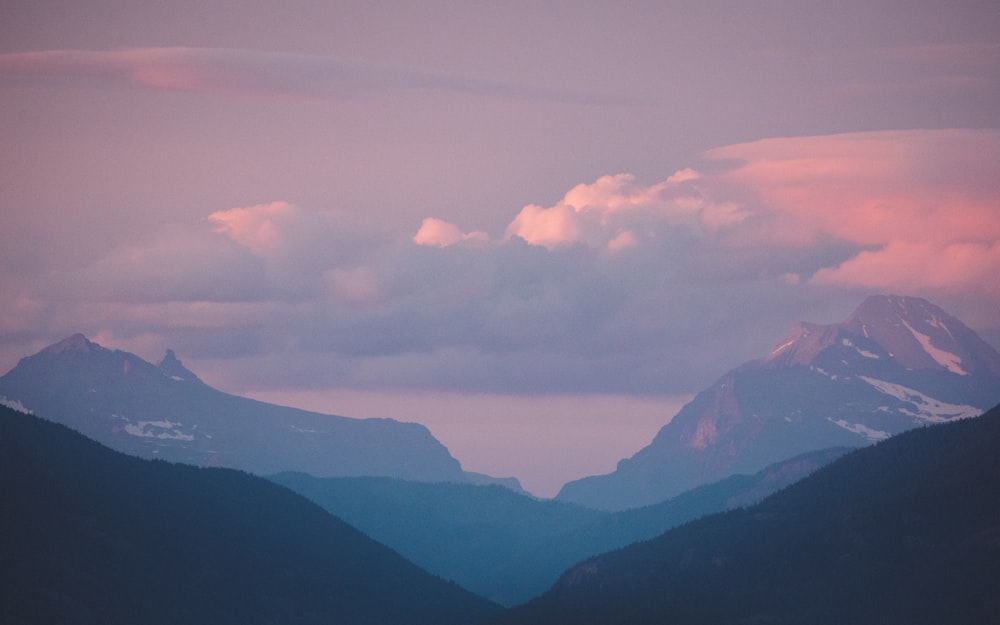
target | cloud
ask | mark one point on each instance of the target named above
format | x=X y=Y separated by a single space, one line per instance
x=622 y=286
x=908 y=266
x=439 y=233
x=615 y=210
x=355 y=285
x=921 y=206
x=263 y=228
x=913 y=210
x=227 y=71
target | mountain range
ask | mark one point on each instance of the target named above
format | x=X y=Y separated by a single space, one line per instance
x=509 y=547
x=92 y=536
x=904 y=531
x=894 y=364
x=165 y=411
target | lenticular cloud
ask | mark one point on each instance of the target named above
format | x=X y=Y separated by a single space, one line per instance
x=919 y=208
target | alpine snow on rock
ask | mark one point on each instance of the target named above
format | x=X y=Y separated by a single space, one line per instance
x=896 y=363
x=165 y=411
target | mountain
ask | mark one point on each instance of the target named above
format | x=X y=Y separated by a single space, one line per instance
x=165 y=411
x=905 y=531
x=895 y=363
x=89 y=535
x=472 y=535
x=508 y=547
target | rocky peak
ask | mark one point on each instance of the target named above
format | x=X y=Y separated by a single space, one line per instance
x=76 y=343
x=919 y=335
x=908 y=330
x=801 y=345
x=174 y=368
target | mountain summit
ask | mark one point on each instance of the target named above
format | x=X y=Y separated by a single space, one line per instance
x=165 y=411
x=910 y=331
x=895 y=363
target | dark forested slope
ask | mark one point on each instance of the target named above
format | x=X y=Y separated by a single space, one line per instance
x=89 y=535
x=906 y=531
x=509 y=547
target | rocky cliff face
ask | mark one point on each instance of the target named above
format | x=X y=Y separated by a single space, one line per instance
x=894 y=364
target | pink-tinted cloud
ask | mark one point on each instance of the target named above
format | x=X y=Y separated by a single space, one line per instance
x=439 y=233
x=259 y=228
x=235 y=71
x=921 y=208
x=910 y=267
x=924 y=204
x=550 y=227
x=613 y=211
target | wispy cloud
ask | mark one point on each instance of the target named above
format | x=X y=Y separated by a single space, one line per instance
x=228 y=71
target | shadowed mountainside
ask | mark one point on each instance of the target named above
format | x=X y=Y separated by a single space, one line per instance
x=906 y=531
x=165 y=411
x=89 y=535
x=509 y=547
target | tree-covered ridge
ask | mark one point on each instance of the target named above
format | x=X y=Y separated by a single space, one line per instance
x=905 y=531
x=88 y=535
x=510 y=547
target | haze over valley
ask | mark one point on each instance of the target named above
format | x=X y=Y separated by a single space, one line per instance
x=449 y=312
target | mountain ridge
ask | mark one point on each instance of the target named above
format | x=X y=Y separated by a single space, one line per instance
x=904 y=531
x=509 y=547
x=895 y=363
x=166 y=411
x=89 y=535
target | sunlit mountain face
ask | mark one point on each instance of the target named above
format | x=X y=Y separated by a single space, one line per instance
x=896 y=363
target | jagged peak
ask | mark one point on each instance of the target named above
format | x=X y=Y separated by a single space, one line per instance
x=910 y=330
x=173 y=367
x=802 y=344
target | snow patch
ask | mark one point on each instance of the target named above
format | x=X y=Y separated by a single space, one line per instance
x=863 y=352
x=928 y=409
x=14 y=404
x=937 y=323
x=156 y=429
x=832 y=376
x=858 y=428
x=946 y=359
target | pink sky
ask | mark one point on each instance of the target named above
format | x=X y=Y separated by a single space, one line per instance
x=537 y=228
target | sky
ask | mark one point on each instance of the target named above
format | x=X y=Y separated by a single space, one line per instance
x=539 y=228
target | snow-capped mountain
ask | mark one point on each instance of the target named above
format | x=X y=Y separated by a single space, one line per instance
x=894 y=364
x=165 y=411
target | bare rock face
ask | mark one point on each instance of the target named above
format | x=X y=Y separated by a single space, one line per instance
x=896 y=363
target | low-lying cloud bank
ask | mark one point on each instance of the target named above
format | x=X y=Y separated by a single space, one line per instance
x=621 y=286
